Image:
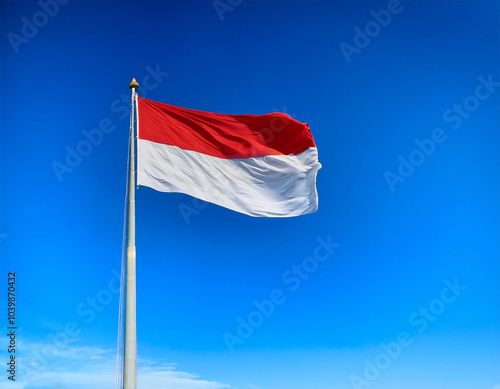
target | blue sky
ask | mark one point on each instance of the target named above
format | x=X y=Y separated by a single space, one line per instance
x=402 y=99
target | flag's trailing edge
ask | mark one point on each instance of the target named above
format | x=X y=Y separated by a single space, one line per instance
x=258 y=165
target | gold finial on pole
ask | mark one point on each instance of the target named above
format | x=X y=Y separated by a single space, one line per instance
x=134 y=84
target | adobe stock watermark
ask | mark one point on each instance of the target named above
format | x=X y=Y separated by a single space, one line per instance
x=30 y=27
x=292 y=278
x=419 y=321
x=363 y=37
x=223 y=6
x=275 y=125
x=39 y=359
x=94 y=137
x=428 y=146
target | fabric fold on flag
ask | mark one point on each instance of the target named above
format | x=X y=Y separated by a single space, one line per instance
x=259 y=165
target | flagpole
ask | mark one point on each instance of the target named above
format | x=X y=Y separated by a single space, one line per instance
x=130 y=358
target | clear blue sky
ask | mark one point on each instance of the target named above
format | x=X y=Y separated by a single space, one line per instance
x=403 y=103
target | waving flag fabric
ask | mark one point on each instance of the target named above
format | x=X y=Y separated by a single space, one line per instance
x=258 y=165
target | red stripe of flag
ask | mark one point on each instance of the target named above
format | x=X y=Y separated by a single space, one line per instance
x=220 y=135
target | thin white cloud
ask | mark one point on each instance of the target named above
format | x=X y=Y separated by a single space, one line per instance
x=80 y=367
x=251 y=386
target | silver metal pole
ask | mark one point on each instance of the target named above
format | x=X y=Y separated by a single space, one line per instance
x=130 y=359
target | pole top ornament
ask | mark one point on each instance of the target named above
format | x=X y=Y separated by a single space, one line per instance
x=134 y=84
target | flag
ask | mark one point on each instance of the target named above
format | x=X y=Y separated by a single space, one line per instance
x=258 y=165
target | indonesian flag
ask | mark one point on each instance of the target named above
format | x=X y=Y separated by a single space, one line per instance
x=257 y=165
